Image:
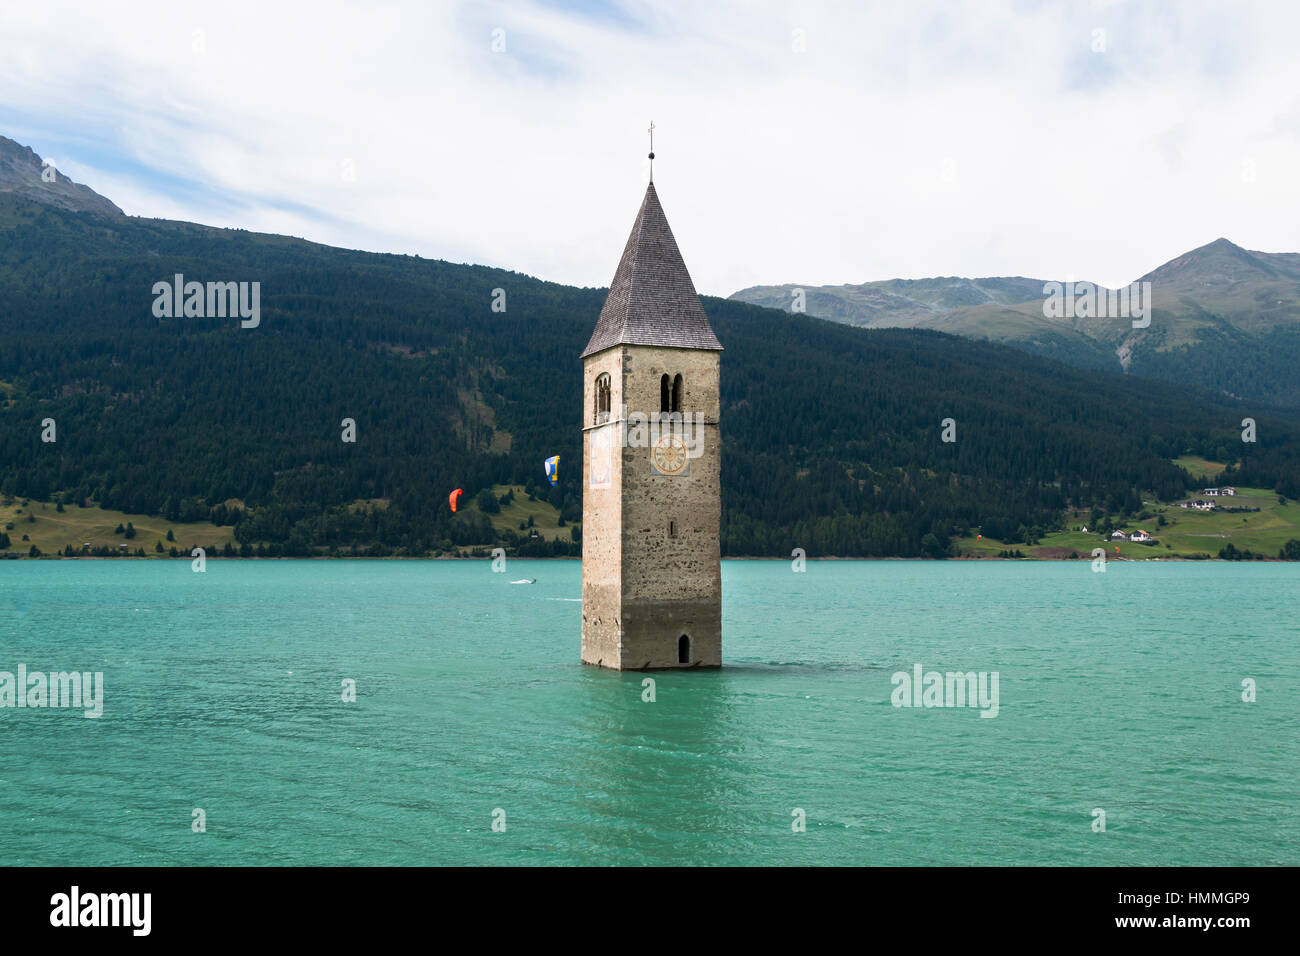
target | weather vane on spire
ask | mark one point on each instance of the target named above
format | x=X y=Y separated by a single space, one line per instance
x=651 y=131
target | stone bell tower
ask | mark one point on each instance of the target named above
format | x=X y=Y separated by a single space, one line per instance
x=651 y=503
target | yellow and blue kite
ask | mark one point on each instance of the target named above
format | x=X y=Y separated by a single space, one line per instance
x=553 y=469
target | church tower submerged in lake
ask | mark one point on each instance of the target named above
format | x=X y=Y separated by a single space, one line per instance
x=651 y=502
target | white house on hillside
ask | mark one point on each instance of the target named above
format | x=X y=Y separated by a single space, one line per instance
x=1139 y=536
x=1117 y=536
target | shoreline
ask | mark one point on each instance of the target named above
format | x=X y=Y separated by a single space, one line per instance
x=1117 y=559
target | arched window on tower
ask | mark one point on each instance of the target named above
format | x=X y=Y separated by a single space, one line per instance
x=664 y=400
x=602 y=398
x=677 y=394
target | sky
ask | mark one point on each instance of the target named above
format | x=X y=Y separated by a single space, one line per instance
x=810 y=143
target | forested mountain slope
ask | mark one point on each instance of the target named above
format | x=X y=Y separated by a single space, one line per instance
x=832 y=433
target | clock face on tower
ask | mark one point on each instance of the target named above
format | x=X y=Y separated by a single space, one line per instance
x=668 y=457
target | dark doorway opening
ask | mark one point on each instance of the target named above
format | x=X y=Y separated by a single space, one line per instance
x=683 y=650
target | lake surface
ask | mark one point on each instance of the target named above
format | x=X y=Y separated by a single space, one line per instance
x=223 y=691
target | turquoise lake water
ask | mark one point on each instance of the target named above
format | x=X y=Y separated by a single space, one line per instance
x=223 y=691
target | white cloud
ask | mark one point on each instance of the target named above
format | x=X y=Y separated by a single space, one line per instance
x=908 y=140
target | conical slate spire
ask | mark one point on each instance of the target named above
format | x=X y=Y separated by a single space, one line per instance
x=652 y=300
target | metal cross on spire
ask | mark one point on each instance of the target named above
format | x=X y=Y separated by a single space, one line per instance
x=651 y=131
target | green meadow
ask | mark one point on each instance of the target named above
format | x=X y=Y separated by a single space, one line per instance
x=1187 y=533
x=1199 y=467
x=51 y=530
x=545 y=516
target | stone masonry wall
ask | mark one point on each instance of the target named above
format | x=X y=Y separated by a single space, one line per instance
x=645 y=583
x=671 y=582
x=601 y=521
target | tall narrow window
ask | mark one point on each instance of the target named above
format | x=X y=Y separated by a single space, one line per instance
x=672 y=529
x=677 y=394
x=664 y=399
x=602 y=398
x=683 y=650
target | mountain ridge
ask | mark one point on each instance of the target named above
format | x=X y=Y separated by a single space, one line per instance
x=23 y=173
x=1216 y=297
